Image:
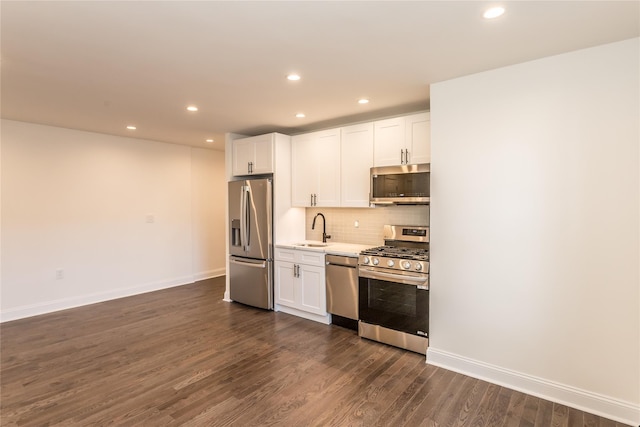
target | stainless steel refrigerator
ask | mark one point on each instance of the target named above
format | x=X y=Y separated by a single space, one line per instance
x=251 y=242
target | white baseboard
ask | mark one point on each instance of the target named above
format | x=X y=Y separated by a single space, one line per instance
x=210 y=274
x=597 y=404
x=77 y=301
x=326 y=319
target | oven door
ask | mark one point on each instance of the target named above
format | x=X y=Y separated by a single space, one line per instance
x=395 y=301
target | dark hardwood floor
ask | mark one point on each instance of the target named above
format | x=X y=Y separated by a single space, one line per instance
x=182 y=356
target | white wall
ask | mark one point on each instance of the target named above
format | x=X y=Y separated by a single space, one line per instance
x=118 y=216
x=208 y=191
x=535 y=228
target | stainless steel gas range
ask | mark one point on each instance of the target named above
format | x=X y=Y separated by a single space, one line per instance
x=393 y=289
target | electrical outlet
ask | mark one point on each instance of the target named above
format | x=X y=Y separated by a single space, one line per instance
x=151 y=218
x=59 y=274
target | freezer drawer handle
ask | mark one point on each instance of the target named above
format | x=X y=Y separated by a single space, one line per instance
x=254 y=264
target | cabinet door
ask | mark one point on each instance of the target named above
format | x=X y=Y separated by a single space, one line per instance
x=356 y=153
x=327 y=158
x=241 y=156
x=304 y=169
x=313 y=298
x=418 y=133
x=316 y=168
x=263 y=154
x=253 y=155
x=389 y=141
x=285 y=284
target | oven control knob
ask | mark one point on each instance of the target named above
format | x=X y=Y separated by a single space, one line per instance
x=406 y=265
x=418 y=266
x=375 y=261
x=365 y=260
x=390 y=263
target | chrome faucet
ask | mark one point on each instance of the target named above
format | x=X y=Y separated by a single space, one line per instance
x=324 y=227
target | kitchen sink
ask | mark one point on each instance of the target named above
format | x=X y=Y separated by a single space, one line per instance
x=311 y=245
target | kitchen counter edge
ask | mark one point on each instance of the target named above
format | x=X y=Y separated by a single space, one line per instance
x=332 y=248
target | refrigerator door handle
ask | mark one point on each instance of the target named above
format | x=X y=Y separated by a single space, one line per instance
x=247 y=221
x=249 y=263
x=243 y=219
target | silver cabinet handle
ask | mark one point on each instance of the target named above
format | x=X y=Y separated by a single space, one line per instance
x=406 y=156
x=402 y=157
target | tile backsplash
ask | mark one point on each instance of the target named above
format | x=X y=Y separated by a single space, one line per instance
x=341 y=222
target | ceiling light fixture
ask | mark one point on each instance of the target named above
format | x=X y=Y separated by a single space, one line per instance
x=192 y=108
x=293 y=77
x=493 y=12
x=300 y=115
x=363 y=101
x=209 y=141
x=131 y=127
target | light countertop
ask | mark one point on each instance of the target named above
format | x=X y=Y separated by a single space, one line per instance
x=332 y=248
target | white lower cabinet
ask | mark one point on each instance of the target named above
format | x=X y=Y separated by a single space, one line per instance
x=300 y=284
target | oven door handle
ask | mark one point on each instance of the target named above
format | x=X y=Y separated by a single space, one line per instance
x=421 y=282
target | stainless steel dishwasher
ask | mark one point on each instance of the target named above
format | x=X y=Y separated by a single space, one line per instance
x=342 y=290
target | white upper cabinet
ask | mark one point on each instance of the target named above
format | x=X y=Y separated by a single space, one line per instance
x=253 y=155
x=356 y=160
x=418 y=138
x=316 y=169
x=389 y=141
x=402 y=140
x=331 y=168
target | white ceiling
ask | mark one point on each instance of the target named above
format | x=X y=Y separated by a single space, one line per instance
x=99 y=66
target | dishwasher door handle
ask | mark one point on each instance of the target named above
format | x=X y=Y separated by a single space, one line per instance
x=341 y=265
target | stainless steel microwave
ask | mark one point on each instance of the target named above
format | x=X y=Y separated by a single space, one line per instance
x=402 y=184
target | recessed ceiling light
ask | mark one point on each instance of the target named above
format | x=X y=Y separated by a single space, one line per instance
x=363 y=101
x=301 y=115
x=209 y=141
x=293 y=77
x=131 y=127
x=493 y=12
x=192 y=108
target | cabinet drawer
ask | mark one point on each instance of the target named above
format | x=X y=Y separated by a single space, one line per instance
x=285 y=254
x=300 y=256
x=310 y=257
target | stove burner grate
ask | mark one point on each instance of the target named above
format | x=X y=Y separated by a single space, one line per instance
x=398 y=252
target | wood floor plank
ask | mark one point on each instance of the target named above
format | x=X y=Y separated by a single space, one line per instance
x=472 y=403
x=515 y=410
x=483 y=413
x=184 y=357
x=560 y=416
x=544 y=414
x=529 y=412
